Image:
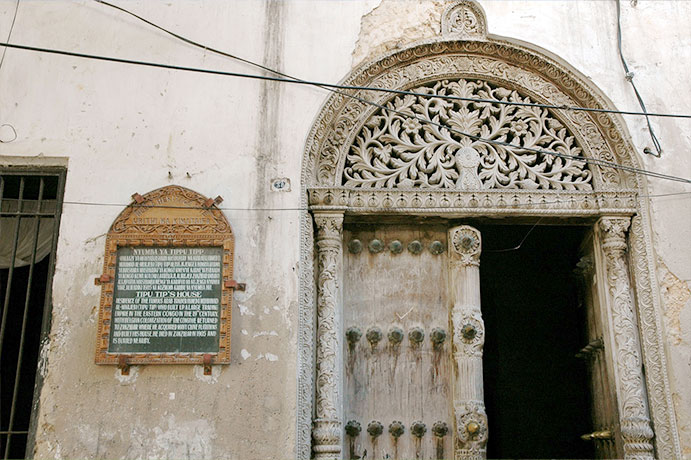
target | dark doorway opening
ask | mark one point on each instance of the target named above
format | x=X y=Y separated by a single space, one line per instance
x=536 y=390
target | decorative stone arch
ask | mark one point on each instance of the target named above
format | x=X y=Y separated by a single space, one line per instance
x=466 y=53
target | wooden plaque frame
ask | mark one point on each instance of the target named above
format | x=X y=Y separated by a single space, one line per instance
x=171 y=216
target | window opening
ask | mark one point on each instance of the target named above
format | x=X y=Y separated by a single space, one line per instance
x=30 y=208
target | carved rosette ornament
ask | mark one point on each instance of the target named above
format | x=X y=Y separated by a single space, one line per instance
x=468 y=339
x=635 y=422
x=466 y=246
x=471 y=431
x=326 y=433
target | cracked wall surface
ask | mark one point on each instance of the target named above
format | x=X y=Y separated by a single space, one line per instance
x=394 y=24
x=126 y=129
x=676 y=296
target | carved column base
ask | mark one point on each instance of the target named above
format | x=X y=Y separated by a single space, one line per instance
x=466 y=454
x=638 y=437
x=327 y=439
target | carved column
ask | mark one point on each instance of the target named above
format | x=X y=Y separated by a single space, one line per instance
x=633 y=409
x=326 y=433
x=468 y=339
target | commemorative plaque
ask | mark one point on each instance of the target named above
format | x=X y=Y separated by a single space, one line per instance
x=167 y=282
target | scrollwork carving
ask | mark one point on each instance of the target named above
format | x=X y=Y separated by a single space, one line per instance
x=394 y=149
x=635 y=422
x=658 y=389
x=327 y=431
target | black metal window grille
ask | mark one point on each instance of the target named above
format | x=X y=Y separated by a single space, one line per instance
x=30 y=208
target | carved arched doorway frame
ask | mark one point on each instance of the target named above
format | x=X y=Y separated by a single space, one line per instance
x=615 y=199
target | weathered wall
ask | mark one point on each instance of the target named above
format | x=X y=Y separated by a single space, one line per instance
x=127 y=129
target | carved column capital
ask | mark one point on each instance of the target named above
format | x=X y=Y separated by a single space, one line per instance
x=614 y=232
x=466 y=245
x=329 y=225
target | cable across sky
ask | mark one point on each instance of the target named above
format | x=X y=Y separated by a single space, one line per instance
x=406 y=115
x=331 y=87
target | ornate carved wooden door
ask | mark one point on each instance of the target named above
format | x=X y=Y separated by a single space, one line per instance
x=413 y=348
x=606 y=432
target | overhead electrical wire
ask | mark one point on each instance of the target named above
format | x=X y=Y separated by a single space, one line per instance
x=2 y=60
x=9 y=34
x=224 y=208
x=331 y=87
x=629 y=77
x=403 y=114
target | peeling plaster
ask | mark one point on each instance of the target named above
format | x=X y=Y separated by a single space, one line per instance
x=676 y=294
x=175 y=439
x=245 y=310
x=677 y=318
x=264 y=333
x=394 y=24
x=210 y=379
x=127 y=379
x=267 y=356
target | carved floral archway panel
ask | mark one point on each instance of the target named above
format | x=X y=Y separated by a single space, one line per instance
x=362 y=159
x=395 y=149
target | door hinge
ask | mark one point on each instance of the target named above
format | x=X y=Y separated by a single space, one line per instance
x=604 y=435
x=590 y=349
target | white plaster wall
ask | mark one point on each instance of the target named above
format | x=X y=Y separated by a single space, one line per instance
x=127 y=129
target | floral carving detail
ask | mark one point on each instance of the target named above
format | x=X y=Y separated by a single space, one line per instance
x=398 y=149
x=666 y=437
x=326 y=433
x=635 y=422
x=466 y=245
x=465 y=19
x=471 y=429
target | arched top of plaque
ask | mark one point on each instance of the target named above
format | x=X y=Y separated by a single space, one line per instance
x=167 y=282
x=171 y=212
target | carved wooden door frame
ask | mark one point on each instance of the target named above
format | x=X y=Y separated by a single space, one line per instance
x=333 y=188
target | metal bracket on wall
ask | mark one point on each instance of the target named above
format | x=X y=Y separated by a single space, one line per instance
x=123 y=365
x=235 y=285
x=212 y=201
x=103 y=279
x=207 y=364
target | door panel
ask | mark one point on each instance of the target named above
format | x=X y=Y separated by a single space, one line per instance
x=397 y=348
x=605 y=434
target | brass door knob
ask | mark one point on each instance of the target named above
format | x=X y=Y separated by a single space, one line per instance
x=396 y=429
x=374 y=335
x=352 y=428
x=468 y=332
x=353 y=334
x=374 y=428
x=418 y=429
x=440 y=429
x=473 y=428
